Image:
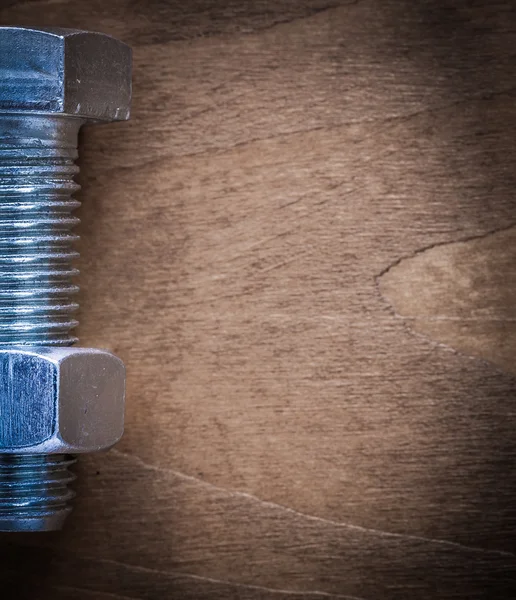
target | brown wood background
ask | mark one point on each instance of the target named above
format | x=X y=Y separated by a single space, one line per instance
x=304 y=247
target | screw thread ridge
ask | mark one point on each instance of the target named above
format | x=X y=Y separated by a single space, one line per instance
x=34 y=492
x=37 y=170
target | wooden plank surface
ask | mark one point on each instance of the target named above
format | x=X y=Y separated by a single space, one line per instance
x=303 y=246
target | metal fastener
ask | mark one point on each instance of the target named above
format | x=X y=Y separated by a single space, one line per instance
x=55 y=401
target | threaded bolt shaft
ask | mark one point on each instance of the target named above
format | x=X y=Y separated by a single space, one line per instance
x=37 y=170
x=34 y=492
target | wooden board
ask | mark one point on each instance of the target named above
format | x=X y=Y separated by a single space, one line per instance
x=303 y=246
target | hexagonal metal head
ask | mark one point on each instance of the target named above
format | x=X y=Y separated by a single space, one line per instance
x=60 y=400
x=64 y=71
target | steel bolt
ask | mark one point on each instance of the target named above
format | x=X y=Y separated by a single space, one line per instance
x=55 y=401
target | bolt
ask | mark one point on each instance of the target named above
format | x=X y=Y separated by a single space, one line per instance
x=52 y=82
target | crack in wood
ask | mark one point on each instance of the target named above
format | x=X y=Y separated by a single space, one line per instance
x=297 y=513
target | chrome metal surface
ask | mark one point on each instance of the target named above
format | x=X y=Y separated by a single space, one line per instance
x=37 y=170
x=53 y=401
x=34 y=492
x=65 y=71
x=60 y=400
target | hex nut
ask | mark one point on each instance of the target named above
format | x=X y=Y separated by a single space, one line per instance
x=65 y=71
x=60 y=400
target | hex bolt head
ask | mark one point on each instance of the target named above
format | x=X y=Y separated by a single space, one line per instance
x=60 y=400
x=65 y=71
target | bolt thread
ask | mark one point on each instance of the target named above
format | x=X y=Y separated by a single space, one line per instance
x=37 y=170
x=34 y=492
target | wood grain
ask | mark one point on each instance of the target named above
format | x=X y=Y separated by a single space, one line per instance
x=477 y=316
x=302 y=245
